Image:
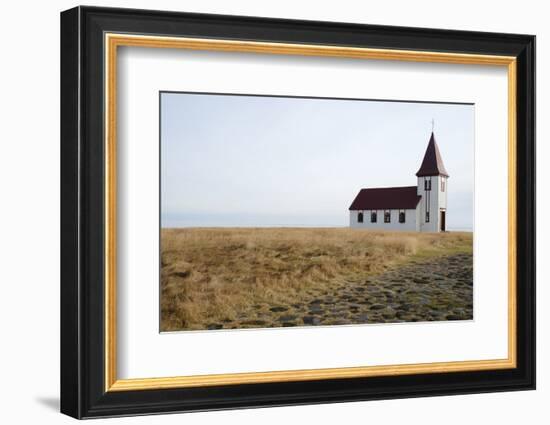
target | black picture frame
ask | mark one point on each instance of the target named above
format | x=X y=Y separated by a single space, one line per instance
x=83 y=392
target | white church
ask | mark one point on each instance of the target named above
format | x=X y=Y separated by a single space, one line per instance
x=420 y=208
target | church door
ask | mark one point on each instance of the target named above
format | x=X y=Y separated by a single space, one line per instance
x=442 y=221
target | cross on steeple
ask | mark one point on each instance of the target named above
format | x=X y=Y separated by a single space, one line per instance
x=432 y=125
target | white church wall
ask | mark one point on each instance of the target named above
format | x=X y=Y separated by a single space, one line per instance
x=418 y=216
x=437 y=201
x=443 y=195
x=410 y=225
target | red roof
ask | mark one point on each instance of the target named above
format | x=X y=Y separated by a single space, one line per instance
x=432 y=165
x=386 y=198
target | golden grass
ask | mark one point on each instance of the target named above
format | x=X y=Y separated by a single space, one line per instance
x=212 y=274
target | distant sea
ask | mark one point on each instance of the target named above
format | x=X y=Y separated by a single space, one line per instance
x=252 y=220
x=182 y=224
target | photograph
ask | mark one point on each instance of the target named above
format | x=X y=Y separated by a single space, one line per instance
x=280 y=211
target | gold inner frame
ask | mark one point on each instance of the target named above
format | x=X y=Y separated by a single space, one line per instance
x=113 y=41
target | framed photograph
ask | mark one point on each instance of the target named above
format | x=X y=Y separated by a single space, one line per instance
x=261 y=212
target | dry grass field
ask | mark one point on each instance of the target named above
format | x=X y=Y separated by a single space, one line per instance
x=214 y=276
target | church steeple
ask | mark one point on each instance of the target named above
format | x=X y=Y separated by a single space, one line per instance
x=432 y=164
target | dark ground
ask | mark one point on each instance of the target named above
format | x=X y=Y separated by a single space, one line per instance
x=424 y=290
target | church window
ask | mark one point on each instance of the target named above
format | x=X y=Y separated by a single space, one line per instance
x=442 y=184
x=360 y=217
x=427 y=184
x=373 y=217
x=427 y=216
x=401 y=216
x=386 y=216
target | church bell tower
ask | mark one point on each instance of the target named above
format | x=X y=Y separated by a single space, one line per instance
x=432 y=186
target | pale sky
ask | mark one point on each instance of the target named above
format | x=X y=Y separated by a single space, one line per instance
x=278 y=161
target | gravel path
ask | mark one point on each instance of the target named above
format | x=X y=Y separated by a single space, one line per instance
x=428 y=290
